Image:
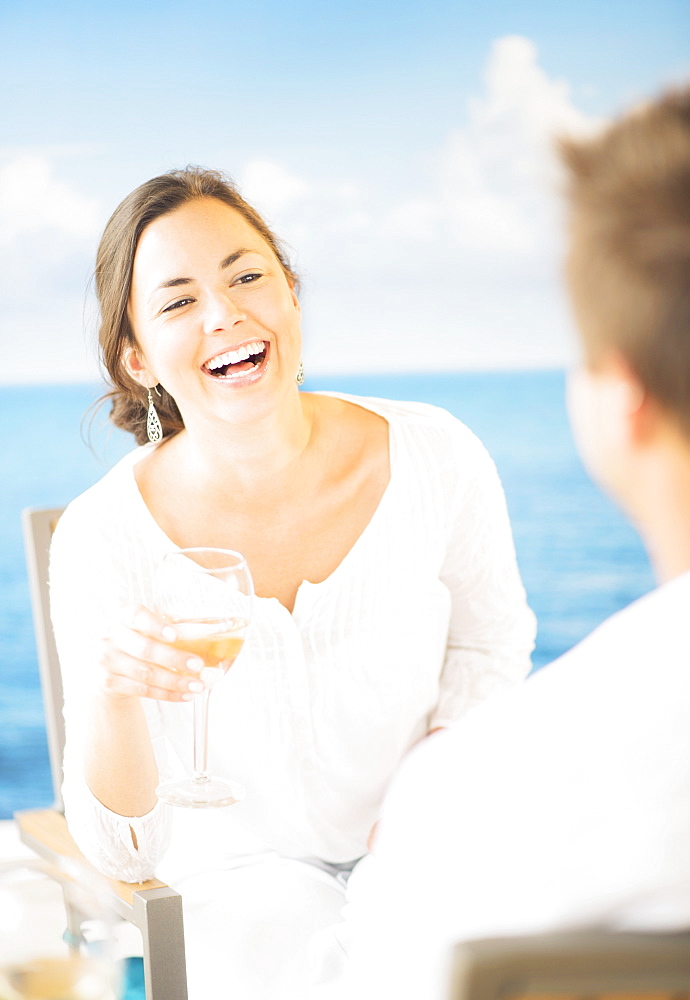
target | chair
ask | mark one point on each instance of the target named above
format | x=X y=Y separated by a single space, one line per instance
x=597 y=965
x=151 y=906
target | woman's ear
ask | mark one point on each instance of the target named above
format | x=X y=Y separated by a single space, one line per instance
x=136 y=369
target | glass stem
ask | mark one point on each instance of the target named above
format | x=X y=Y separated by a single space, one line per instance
x=201 y=735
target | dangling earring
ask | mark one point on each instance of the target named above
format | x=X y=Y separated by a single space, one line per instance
x=153 y=424
x=299 y=377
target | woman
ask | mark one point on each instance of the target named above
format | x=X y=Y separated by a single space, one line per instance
x=389 y=599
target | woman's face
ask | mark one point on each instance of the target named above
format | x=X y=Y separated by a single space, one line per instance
x=216 y=320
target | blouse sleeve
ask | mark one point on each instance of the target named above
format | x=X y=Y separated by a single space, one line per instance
x=492 y=629
x=85 y=585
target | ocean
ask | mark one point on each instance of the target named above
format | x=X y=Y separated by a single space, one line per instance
x=580 y=560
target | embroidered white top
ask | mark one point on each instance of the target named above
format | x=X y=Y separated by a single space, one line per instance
x=425 y=617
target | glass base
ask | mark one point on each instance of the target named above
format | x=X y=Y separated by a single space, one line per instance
x=195 y=793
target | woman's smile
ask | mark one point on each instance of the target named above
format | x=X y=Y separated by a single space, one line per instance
x=235 y=362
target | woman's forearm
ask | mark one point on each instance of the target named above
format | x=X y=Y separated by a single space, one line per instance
x=119 y=765
x=137 y=661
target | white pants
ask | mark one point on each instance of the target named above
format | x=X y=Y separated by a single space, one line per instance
x=248 y=930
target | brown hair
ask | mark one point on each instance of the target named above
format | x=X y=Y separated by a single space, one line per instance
x=628 y=267
x=113 y=277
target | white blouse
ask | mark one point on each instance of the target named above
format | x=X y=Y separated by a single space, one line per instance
x=424 y=617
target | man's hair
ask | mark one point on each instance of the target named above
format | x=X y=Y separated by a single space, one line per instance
x=628 y=266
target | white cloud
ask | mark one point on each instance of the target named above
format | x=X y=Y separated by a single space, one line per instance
x=455 y=265
x=469 y=261
x=348 y=191
x=48 y=232
x=418 y=218
x=518 y=90
x=496 y=174
x=48 y=340
x=270 y=186
x=32 y=199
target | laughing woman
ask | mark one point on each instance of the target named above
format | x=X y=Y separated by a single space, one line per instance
x=388 y=595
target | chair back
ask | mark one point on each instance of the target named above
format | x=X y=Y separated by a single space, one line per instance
x=598 y=965
x=38 y=526
x=154 y=908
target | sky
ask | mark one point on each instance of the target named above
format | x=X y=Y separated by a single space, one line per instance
x=403 y=151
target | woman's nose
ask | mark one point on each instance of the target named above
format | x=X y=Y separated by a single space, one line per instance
x=222 y=313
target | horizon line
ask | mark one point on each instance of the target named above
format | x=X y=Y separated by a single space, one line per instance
x=320 y=373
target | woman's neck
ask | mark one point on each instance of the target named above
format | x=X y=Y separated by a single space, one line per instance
x=248 y=456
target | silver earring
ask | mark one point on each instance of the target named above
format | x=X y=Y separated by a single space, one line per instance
x=299 y=377
x=153 y=424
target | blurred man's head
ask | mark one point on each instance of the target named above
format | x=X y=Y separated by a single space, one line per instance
x=628 y=272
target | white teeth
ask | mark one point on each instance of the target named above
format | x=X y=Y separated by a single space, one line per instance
x=234 y=357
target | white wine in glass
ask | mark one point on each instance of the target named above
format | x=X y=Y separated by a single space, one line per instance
x=38 y=959
x=206 y=595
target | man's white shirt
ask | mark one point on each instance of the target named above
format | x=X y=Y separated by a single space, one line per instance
x=559 y=804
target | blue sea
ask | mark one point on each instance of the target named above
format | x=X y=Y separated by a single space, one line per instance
x=580 y=560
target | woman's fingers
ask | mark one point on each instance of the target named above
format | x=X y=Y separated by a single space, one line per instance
x=138 y=659
x=152 y=646
x=127 y=675
x=137 y=618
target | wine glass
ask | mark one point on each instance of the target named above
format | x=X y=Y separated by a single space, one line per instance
x=206 y=595
x=50 y=951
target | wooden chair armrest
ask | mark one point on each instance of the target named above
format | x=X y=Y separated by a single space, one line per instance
x=570 y=965
x=152 y=906
x=45 y=831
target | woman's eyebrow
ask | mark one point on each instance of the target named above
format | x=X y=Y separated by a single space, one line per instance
x=231 y=258
x=226 y=262
x=172 y=283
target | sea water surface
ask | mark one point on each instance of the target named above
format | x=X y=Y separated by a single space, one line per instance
x=580 y=560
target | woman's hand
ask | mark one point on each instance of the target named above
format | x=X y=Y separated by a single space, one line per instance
x=138 y=661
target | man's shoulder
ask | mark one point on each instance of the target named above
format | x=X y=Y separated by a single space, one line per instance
x=638 y=656
x=633 y=668
x=559 y=801
x=655 y=626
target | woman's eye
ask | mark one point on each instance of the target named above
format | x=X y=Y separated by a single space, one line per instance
x=247 y=279
x=177 y=305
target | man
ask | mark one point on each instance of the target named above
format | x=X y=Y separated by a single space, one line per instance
x=566 y=802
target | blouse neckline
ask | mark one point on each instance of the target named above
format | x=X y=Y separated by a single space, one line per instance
x=306 y=587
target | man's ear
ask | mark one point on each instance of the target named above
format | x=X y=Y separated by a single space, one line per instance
x=637 y=410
